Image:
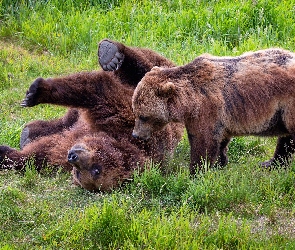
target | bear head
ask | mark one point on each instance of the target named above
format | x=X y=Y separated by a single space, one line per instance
x=150 y=103
x=98 y=164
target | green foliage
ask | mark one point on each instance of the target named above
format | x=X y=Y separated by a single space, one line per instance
x=220 y=27
x=11 y=199
x=113 y=226
x=31 y=175
x=241 y=148
x=239 y=207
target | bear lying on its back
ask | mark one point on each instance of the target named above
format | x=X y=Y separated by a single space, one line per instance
x=95 y=134
x=221 y=97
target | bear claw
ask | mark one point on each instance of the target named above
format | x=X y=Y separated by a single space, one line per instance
x=110 y=58
x=31 y=96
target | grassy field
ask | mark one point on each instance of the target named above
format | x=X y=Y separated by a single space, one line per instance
x=238 y=207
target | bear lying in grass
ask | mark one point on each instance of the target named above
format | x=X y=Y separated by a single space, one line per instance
x=95 y=134
x=218 y=98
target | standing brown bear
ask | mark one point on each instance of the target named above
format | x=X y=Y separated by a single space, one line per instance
x=221 y=97
x=95 y=134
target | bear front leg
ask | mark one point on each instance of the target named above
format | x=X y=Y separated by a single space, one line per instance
x=203 y=151
x=33 y=95
x=284 y=150
x=77 y=90
x=223 y=158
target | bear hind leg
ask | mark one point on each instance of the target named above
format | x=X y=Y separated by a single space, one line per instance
x=25 y=137
x=284 y=150
x=109 y=55
x=39 y=128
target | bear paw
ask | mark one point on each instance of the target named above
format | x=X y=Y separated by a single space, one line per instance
x=267 y=164
x=3 y=163
x=270 y=164
x=32 y=94
x=109 y=56
x=25 y=137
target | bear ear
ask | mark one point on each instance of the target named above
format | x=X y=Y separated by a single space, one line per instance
x=155 y=68
x=167 y=89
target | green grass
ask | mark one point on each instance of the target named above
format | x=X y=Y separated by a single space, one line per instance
x=238 y=207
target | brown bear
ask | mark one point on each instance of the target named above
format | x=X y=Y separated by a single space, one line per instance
x=95 y=134
x=218 y=98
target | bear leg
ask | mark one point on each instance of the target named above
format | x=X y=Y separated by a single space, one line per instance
x=204 y=152
x=11 y=158
x=25 y=137
x=129 y=64
x=32 y=94
x=39 y=128
x=284 y=150
x=223 y=158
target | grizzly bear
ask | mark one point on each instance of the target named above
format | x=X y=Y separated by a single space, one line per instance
x=218 y=98
x=94 y=137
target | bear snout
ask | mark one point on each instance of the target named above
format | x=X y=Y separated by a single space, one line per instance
x=141 y=137
x=134 y=135
x=72 y=156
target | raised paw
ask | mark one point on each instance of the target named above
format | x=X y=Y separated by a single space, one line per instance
x=109 y=56
x=32 y=94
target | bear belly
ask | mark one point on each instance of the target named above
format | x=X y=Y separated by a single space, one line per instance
x=274 y=127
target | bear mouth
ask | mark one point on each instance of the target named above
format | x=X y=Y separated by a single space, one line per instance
x=139 y=137
x=78 y=175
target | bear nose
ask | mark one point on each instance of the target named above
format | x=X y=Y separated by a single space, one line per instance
x=72 y=156
x=134 y=135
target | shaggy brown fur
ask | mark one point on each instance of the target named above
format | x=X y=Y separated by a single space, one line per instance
x=95 y=134
x=221 y=97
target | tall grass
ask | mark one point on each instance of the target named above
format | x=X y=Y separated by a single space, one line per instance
x=221 y=27
x=238 y=207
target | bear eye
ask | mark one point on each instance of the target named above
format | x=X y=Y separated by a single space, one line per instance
x=143 y=118
x=96 y=170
